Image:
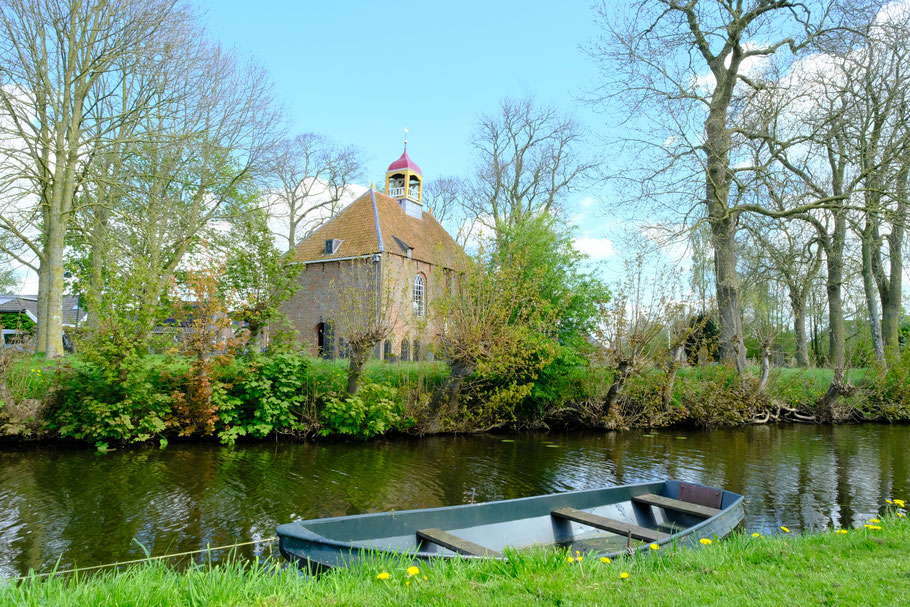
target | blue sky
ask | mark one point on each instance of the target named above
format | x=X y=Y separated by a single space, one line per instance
x=359 y=72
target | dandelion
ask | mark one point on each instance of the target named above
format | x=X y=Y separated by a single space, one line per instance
x=570 y=559
x=604 y=559
x=624 y=574
x=889 y=502
x=383 y=576
x=873 y=527
x=412 y=570
x=654 y=547
x=784 y=529
x=841 y=531
x=407 y=583
x=899 y=502
x=424 y=577
x=756 y=534
x=874 y=520
x=704 y=541
x=900 y=514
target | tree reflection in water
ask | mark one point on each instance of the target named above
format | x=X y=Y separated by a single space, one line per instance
x=87 y=508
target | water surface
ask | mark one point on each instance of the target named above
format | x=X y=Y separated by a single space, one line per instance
x=85 y=508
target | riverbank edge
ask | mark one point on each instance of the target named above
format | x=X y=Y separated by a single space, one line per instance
x=702 y=397
x=862 y=566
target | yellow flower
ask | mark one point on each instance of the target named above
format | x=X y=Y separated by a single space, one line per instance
x=408 y=583
x=785 y=530
x=383 y=576
x=424 y=577
x=873 y=527
x=412 y=570
x=654 y=547
x=899 y=502
x=579 y=558
x=604 y=559
x=578 y=552
x=570 y=559
x=889 y=502
x=704 y=541
x=756 y=535
x=900 y=514
x=874 y=520
x=842 y=531
x=624 y=574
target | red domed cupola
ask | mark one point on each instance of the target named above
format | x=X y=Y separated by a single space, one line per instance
x=404 y=182
x=404 y=162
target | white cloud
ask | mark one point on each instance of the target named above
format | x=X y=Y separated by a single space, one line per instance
x=587 y=202
x=595 y=248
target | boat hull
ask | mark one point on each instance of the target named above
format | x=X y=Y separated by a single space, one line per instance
x=517 y=524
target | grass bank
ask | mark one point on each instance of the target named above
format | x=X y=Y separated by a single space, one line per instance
x=865 y=566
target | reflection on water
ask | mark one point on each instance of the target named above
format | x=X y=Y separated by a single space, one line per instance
x=86 y=508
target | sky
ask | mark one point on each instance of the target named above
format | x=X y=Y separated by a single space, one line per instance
x=360 y=72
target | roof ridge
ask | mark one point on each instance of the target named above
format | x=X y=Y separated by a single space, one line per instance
x=376 y=219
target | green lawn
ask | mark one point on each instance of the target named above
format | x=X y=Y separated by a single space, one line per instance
x=861 y=567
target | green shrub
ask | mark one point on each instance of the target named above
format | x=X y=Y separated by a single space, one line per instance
x=373 y=410
x=127 y=401
x=260 y=394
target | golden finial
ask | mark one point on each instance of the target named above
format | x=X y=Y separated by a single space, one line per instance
x=372 y=185
x=405 y=138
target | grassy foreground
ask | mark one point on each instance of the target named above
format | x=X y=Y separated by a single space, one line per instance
x=865 y=566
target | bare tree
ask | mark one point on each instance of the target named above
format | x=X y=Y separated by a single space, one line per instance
x=447 y=198
x=529 y=157
x=315 y=176
x=371 y=303
x=788 y=254
x=684 y=66
x=58 y=61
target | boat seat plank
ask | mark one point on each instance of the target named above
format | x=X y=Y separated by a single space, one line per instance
x=608 y=524
x=677 y=505
x=455 y=543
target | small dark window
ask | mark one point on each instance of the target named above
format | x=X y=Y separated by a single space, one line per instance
x=387 y=350
x=332 y=245
x=328 y=341
x=405 y=350
x=416 y=350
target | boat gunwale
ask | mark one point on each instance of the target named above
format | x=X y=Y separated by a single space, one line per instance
x=312 y=536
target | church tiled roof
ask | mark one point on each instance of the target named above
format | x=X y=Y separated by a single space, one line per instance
x=376 y=223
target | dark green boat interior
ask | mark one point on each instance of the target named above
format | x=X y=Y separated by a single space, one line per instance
x=607 y=521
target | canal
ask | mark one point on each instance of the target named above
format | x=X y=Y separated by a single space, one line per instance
x=86 y=508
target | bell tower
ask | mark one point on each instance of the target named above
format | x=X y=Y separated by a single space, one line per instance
x=404 y=182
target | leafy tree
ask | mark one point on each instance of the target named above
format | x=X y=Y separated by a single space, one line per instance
x=257 y=276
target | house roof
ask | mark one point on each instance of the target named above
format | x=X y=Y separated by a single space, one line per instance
x=376 y=223
x=28 y=305
x=404 y=162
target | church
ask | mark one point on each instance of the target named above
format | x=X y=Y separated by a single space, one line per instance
x=387 y=235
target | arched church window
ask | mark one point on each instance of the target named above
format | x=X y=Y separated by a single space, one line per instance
x=419 y=295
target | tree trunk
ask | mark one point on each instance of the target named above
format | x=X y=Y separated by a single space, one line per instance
x=355 y=369
x=799 y=330
x=834 y=287
x=445 y=397
x=43 y=289
x=765 y=366
x=869 y=288
x=892 y=291
x=729 y=310
x=624 y=369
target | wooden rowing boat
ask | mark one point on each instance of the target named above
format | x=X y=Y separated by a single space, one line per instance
x=607 y=521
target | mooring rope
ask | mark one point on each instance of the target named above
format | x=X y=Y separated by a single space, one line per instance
x=135 y=561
